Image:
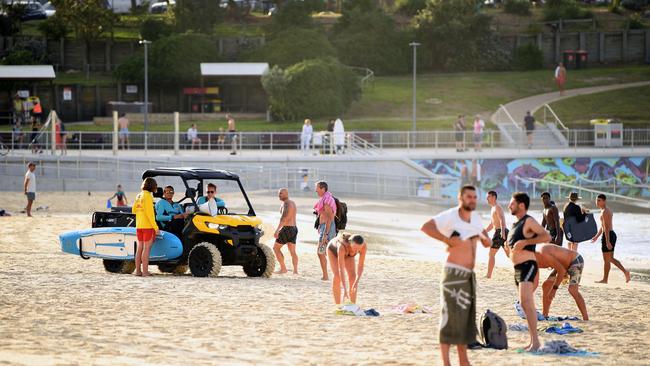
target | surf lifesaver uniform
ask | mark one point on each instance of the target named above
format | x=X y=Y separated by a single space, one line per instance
x=145 y=218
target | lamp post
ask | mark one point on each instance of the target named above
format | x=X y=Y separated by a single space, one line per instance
x=146 y=90
x=415 y=68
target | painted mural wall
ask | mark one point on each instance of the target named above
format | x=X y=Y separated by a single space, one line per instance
x=626 y=175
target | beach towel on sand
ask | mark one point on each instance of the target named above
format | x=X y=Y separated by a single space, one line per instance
x=413 y=309
x=560 y=348
x=565 y=328
x=520 y=312
x=561 y=318
x=355 y=310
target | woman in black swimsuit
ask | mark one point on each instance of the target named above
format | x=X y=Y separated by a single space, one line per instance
x=341 y=252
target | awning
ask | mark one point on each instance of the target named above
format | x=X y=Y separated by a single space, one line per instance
x=27 y=72
x=234 y=68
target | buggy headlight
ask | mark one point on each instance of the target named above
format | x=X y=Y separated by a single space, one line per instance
x=217 y=226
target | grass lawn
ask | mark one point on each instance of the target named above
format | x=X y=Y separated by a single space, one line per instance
x=630 y=106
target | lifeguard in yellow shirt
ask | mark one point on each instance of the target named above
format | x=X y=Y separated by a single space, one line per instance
x=145 y=224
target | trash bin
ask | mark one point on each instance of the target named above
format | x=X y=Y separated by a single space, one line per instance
x=569 y=59
x=582 y=57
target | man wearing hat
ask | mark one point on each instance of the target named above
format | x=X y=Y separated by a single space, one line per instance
x=572 y=209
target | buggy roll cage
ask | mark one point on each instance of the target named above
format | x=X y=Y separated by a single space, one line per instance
x=198 y=174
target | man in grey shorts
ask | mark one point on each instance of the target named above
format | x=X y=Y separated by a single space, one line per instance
x=325 y=209
x=564 y=262
x=286 y=232
x=30 y=187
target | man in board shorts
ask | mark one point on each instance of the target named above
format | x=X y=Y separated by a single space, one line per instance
x=608 y=241
x=564 y=262
x=286 y=232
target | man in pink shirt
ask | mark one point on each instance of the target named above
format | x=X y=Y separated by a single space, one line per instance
x=325 y=208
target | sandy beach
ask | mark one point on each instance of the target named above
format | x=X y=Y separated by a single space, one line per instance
x=58 y=309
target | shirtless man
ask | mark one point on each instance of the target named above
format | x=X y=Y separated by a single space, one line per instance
x=498 y=223
x=458 y=228
x=286 y=232
x=123 y=124
x=608 y=242
x=551 y=219
x=325 y=208
x=563 y=261
x=523 y=237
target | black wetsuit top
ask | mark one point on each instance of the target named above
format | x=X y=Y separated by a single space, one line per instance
x=573 y=210
x=517 y=233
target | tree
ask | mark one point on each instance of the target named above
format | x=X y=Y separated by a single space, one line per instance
x=198 y=15
x=173 y=60
x=292 y=46
x=312 y=88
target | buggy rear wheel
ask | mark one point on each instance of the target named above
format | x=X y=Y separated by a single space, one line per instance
x=117 y=266
x=204 y=260
x=263 y=264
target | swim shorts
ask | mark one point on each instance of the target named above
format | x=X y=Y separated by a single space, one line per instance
x=321 y=235
x=288 y=234
x=124 y=132
x=612 y=240
x=458 y=307
x=497 y=240
x=525 y=272
x=574 y=271
x=145 y=234
x=31 y=196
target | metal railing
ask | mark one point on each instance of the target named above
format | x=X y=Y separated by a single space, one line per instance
x=356 y=142
x=561 y=189
x=503 y=116
x=556 y=120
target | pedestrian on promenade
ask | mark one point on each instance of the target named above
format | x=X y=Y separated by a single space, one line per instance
x=479 y=125
x=560 y=77
x=305 y=136
x=529 y=122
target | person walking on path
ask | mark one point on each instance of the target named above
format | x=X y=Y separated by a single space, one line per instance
x=524 y=235
x=342 y=251
x=145 y=225
x=529 y=122
x=305 y=137
x=551 y=219
x=459 y=127
x=560 y=77
x=232 y=134
x=564 y=262
x=572 y=209
x=30 y=187
x=286 y=232
x=608 y=241
x=498 y=223
x=123 y=124
x=458 y=228
x=479 y=125
x=193 y=136
x=325 y=209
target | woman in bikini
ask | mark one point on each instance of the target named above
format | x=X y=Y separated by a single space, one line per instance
x=341 y=252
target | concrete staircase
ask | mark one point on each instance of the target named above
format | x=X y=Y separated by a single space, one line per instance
x=545 y=135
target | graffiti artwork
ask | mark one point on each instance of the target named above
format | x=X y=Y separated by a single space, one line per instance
x=627 y=176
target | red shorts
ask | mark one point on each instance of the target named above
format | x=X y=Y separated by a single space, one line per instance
x=145 y=234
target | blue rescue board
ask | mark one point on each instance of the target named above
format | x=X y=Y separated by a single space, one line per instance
x=118 y=243
x=577 y=232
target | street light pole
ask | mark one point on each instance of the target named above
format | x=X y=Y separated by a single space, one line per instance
x=415 y=67
x=146 y=90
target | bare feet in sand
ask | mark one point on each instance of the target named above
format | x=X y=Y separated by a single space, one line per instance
x=532 y=348
x=627 y=276
x=139 y=274
x=282 y=271
x=146 y=274
x=325 y=278
x=601 y=281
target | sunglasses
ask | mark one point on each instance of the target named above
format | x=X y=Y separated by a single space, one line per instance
x=210 y=191
x=170 y=192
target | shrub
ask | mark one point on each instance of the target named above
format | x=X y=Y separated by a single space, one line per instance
x=409 y=7
x=634 y=5
x=517 y=7
x=197 y=15
x=528 y=57
x=27 y=52
x=293 y=13
x=371 y=39
x=314 y=88
x=292 y=46
x=154 y=28
x=565 y=9
x=635 y=21
x=53 y=28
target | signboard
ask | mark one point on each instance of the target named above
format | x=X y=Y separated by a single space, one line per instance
x=200 y=91
x=23 y=93
x=67 y=93
x=131 y=89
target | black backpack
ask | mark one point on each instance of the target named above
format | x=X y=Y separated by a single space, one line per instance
x=492 y=330
x=341 y=218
